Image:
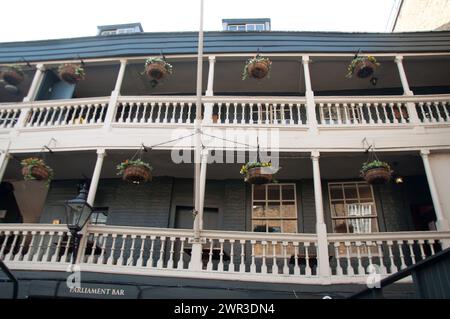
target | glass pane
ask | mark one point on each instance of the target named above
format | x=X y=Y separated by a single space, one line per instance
x=232 y=27
x=289 y=226
x=350 y=191
x=250 y=27
x=338 y=210
x=260 y=27
x=274 y=226
x=241 y=27
x=364 y=191
x=273 y=192
x=336 y=192
x=341 y=226
x=288 y=192
x=259 y=226
x=360 y=225
x=258 y=209
x=273 y=210
x=288 y=209
x=259 y=192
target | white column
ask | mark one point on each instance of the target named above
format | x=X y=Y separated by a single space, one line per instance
x=4 y=159
x=207 y=116
x=96 y=176
x=210 y=87
x=309 y=94
x=110 y=112
x=441 y=222
x=91 y=199
x=197 y=244
x=413 y=117
x=196 y=254
x=401 y=71
x=36 y=83
x=321 y=227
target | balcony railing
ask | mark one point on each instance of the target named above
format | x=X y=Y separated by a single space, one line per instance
x=225 y=254
x=345 y=112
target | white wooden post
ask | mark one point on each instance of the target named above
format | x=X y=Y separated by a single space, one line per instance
x=321 y=228
x=202 y=188
x=4 y=159
x=413 y=117
x=441 y=222
x=309 y=94
x=197 y=245
x=91 y=198
x=196 y=253
x=111 y=111
x=207 y=116
x=36 y=83
x=210 y=87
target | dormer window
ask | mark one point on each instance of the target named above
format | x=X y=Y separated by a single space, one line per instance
x=246 y=24
x=246 y=27
x=120 y=29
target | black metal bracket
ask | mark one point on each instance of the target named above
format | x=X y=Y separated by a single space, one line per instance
x=81 y=60
x=162 y=55
x=145 y=148
x=27 y=62
x=367 y=147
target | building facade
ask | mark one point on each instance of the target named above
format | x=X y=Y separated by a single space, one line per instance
x=419 y=15
x=306 y=229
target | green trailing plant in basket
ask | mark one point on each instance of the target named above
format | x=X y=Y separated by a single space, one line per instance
x=127 y=163
x=167 y=66
x=246 y=167
x=34 y=168
x=374 y=164
x=359 y=60
x=257 y=67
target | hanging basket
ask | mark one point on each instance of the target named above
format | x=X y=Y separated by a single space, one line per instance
x=258 y=69
x=364 y=69
x=71 y=73
x=137 y=174
x=12 y=76
x=156 y=70
x=257 y=176
x=377 y=176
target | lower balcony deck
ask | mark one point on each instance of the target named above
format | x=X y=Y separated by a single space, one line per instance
x=227 y=255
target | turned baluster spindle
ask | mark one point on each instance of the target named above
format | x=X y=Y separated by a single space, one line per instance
x=339 y=271
x=171 y=251
x=160 y=262
x=112 y=251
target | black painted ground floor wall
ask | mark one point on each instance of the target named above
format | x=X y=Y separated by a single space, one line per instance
x=155 y=204
x=46 y=284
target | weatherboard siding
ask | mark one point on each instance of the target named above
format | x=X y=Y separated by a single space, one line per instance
x=154 y=204
x=142 y=44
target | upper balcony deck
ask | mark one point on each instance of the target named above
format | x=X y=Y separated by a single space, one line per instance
x=306 y=98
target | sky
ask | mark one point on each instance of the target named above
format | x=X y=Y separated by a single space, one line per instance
x=52 y=19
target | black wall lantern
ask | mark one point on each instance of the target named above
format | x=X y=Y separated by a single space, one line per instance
x=78 y=212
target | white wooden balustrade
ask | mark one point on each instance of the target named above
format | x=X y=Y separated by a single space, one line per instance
x=388 y=252
x=138 y=247
x=434 y=111
x=258 y=111
x=9 y=117
x=361 y=111
x=155 y=110
x=67 y=113
x=31 y=244
x=260 y=253
x=225 y=254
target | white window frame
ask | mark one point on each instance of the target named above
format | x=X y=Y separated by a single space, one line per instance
x=280 y=200
x=374 y=214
